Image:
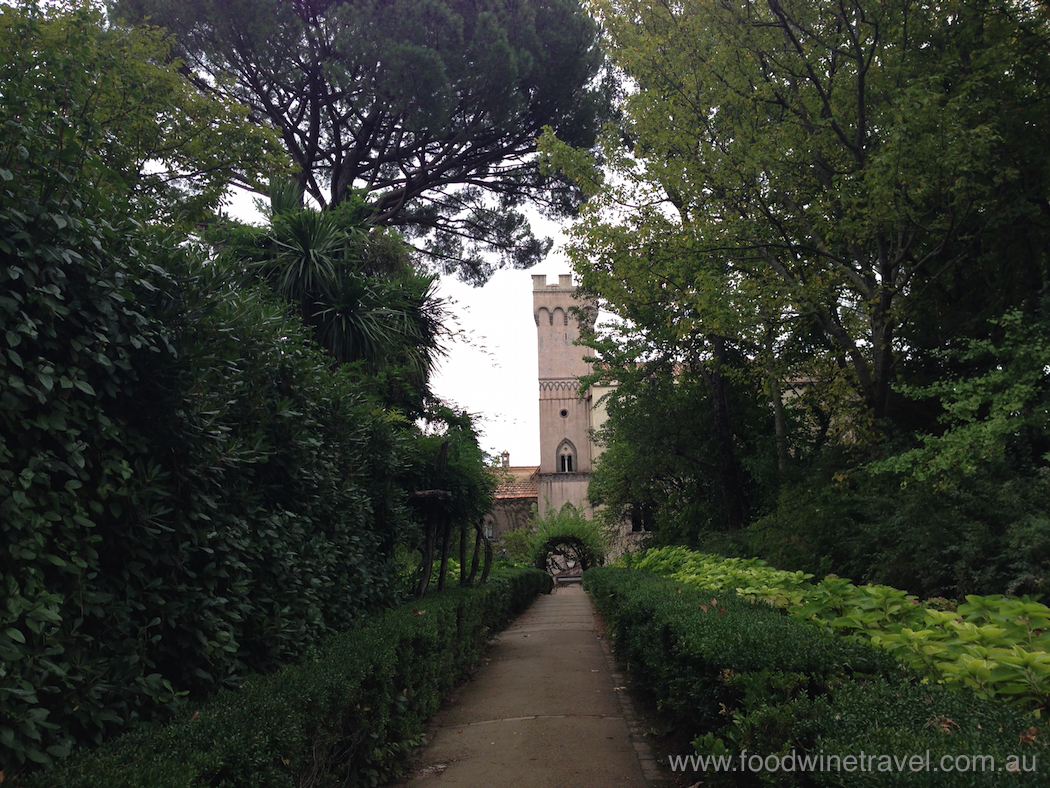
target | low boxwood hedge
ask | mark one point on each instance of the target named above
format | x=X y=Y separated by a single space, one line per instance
x=747 y=680
x=347 y=715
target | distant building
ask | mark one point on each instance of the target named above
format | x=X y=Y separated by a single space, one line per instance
x=515 y=499
x=567 y=451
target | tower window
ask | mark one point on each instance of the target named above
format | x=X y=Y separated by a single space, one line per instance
x=566 y=460
x=564 y=413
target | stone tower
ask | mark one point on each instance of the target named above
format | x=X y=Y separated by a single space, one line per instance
x=566 y=451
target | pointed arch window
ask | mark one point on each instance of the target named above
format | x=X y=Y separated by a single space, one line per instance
x=566 y=458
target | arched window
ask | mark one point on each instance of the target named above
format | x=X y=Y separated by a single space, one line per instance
x=566 y=459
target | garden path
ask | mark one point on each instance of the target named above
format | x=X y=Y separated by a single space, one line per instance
x=547 y=709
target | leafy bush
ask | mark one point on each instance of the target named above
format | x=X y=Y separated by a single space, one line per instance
x=347 y=714
x=988 y=535
x=71 y=311
x=567 y=532
x=902 y=729
x=748 y=680
x=189 y=492
x=996 y=645
x=516 y=545
x=687 y=646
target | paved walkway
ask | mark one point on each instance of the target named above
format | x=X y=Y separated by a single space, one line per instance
x=546 y=709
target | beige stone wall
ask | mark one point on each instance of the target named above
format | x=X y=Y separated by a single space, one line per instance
x=565 y=418
x=564 y=423
x=557 y=328
x=557 y=489
x=510 y=514
x=598 y=415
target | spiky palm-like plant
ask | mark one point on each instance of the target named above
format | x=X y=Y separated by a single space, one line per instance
x=355 y=287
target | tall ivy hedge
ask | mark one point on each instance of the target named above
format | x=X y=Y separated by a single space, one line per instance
x=188 y=490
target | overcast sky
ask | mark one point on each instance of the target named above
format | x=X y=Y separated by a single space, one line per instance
x=492 y=366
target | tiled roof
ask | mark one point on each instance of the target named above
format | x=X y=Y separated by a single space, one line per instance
x=522 y=482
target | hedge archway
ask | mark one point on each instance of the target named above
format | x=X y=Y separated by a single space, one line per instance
x=572 y=548
x=567 y=534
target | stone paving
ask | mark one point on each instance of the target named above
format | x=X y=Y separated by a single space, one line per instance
x=548 y=708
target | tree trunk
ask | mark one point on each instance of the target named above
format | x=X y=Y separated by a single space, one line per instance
x=729 y=473
x=426 y=568
x=431 y=501
x=488 y=554
x=446 y=547
x=776 y=399
x=475 y=559
x=463 y=553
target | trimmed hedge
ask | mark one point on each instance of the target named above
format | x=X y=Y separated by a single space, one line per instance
x=348 y=715
x=999 y=646
x=745 y=678
x=189 y=493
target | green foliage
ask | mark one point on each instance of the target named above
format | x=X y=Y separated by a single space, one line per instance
x=995 y=645
x=516 y=545
x=660 y=463
x=751 y=578
x=348 y=714
x=823 y=174
x=983 y=414
x=356 y=288
x=86 y=103
x=811 y=214
x=188 y=490
x=430 y=108
x=568 y=534
x=748 y=680
x=74 y=292
x=990 y=534
x=690 y=646
x=466 y=474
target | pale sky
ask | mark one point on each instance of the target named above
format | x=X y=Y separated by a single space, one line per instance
x=492 y=367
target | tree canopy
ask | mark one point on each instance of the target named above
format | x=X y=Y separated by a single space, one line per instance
x=847 y=172
x=355 y=287
x=430 y=108
x=826 y=229
x=85 y=102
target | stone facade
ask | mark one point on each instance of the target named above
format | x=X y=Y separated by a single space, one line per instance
x=515 y=499
x=567 y=452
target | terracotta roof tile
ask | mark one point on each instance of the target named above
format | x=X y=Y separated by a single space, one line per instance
x=523 y=482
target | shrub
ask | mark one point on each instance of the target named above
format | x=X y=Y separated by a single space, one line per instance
x=996 y=645
x=188 y=491
x=688 y=646
x=988 y=535
x=346 y=715
x=567 y=533
x=745 y=678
